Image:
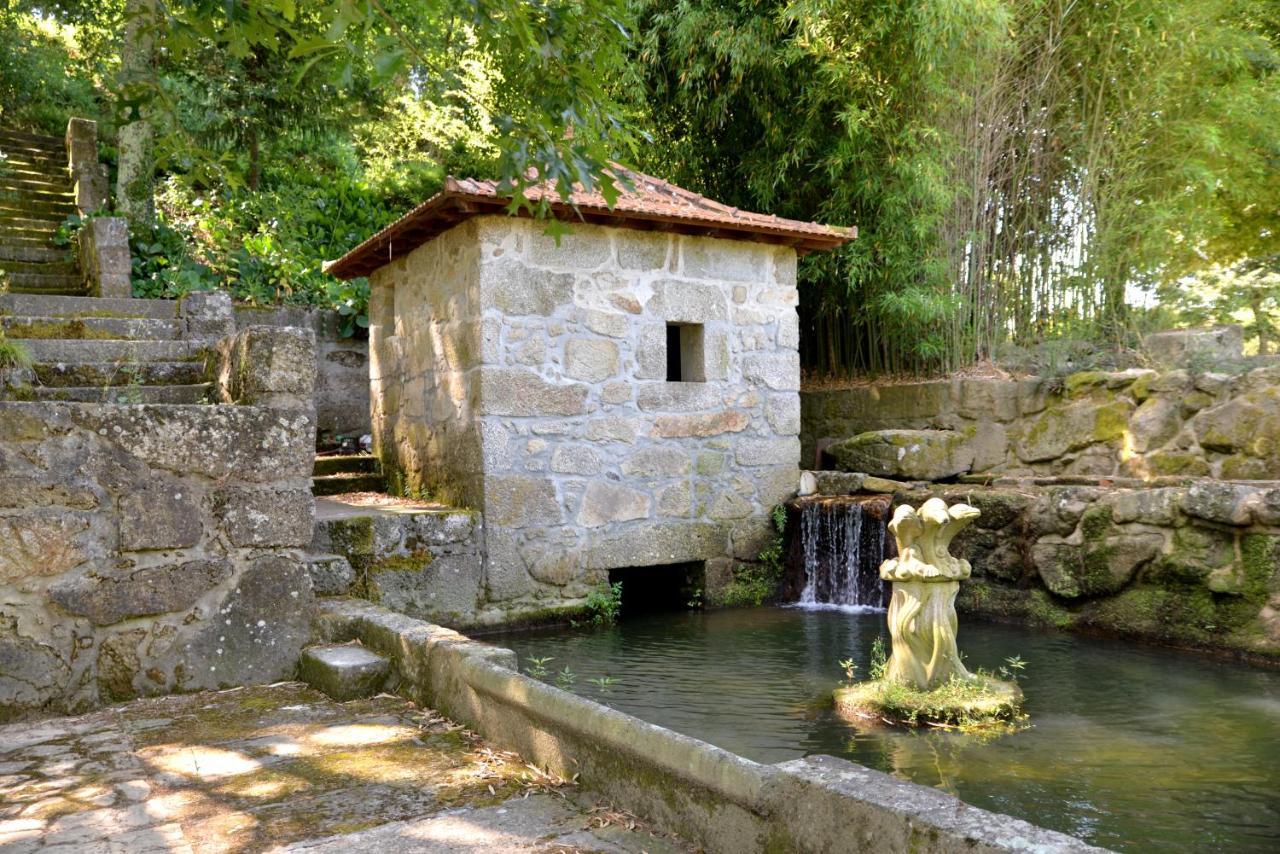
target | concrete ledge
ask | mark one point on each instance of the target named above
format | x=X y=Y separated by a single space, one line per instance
x=720 y=800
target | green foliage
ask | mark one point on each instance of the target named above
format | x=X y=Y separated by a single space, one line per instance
x=879 y=662
x=565 y=679
x=538 y=667
x=46 y=74
x=604 y=605
x=13 y=354
x=1017 y=168
x=756 y=583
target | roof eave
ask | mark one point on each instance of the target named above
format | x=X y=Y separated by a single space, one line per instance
x=452 y=206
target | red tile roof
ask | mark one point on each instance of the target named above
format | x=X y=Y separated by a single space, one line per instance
x=651 y=205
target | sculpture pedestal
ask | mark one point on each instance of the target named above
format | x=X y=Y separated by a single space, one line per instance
x=923 y=624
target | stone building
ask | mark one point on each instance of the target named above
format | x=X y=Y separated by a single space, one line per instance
x=623 y=399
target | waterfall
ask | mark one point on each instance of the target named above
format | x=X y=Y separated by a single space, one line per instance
x=843 y=540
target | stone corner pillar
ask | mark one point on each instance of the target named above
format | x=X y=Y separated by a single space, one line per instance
x=103 y=250
x=88 y=176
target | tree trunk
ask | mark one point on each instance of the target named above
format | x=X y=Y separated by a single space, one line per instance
x=136 y=174
x=1260 y=321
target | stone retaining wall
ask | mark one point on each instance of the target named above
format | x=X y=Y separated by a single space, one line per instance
x=1134 y=423
x=1194 y=566
x=143 y=548
x=342 y=365
x=714 y=798
x=424 y=563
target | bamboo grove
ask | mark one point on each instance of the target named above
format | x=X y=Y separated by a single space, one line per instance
x=1019 y=169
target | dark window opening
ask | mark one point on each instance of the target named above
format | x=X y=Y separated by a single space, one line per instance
x=655 y=589
x=685 y=357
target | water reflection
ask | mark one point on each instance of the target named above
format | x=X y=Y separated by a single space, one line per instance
x=1131 y=748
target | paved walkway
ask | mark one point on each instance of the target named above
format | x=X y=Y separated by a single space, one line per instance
x=282 y=768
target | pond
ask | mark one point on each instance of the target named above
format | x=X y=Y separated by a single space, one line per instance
x=1130 y=748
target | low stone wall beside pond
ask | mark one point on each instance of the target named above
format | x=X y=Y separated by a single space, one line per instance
x=1196 y=565
x=1139 y=423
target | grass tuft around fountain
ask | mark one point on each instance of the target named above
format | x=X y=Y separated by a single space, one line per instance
x=974 y=703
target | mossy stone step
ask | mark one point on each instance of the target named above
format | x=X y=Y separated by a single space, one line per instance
x=340 y=484
x=35 y=182
x=83 y=328
x=41 y=208
x=108 y=374
x=32 y=254
x=26 y=136
x=128 y=393
x=27 y=195
x=28 y=240
x=123 y=352
x=344 y=672
x=39 y=283
x=73 y=307
x=348 y=463
x=66 y=267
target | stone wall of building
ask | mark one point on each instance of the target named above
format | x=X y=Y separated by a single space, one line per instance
x=145 y=549
x=528 y=380
x=1139 y=423
x=424 y=346
x=1195 y=566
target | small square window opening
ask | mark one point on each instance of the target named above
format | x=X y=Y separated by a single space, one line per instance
x=686 y=361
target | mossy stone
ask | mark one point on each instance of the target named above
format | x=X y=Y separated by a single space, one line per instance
x=974 y=702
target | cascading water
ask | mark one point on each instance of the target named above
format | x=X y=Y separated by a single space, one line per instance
x=842 y=544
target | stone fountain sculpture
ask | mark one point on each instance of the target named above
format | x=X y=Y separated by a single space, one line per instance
x=922 y=624
x=926 y=578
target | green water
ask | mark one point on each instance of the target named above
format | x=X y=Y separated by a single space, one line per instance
x=1131 y=748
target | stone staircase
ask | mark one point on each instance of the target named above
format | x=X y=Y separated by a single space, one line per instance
x=95 y=350
x=341 y=474
x=36 y=195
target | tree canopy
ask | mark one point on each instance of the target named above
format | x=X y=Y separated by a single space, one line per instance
x=1019 y=170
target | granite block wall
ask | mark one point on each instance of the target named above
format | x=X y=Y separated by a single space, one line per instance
x=1139 y=423
x=528 y=380
x=146 y=549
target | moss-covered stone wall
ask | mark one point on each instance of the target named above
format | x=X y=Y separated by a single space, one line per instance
x=1138 y=423
x=1194 y=566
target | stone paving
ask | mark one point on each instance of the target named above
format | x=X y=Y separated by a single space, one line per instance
x=283 y=768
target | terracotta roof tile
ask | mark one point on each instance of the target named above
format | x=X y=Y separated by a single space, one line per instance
x=649 y=204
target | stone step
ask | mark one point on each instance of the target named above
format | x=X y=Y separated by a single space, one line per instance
x=66 y=267
x=51 y=283
x=40 y=170
x=341 y=484
x=344 y=672
x=331 y=575
x=28 y=239
x=54 y=306
x=122 y=352
x=348 y=463
x=68 y=291
x=13 y=146
x=22 y=170
x=29 y=138
x=38 y=209
x=86 y=328
x=36 y=182
x=30 y=194
x=12 y=222
x=101 y=374
x=125 y=393
x=33 y=254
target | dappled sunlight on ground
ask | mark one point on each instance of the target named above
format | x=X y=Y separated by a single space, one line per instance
x=283 y=768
